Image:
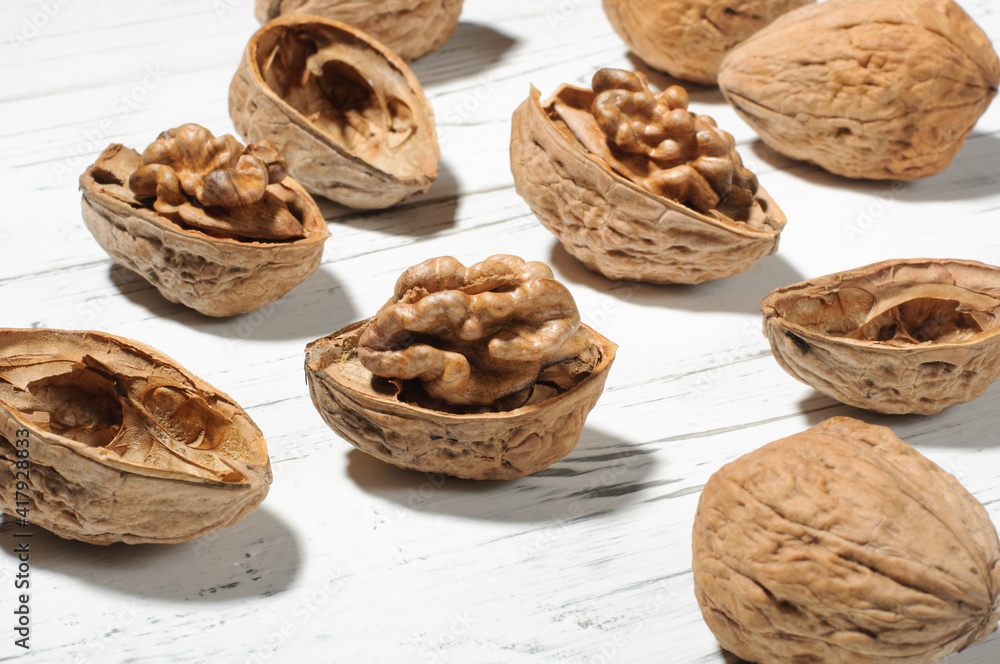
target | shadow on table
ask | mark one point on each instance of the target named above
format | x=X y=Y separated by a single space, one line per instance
x=420 y=216
x=702 y=94
x=312 y=309
x=602 y=474
x=257 y=556
x=741 y=294
x=480 y=47
x=973 y=173
x=730 y=658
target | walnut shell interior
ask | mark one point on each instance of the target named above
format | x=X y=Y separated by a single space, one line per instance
x=125 y=445
x=899 y=336
x=397 y=423
x=410 y=28
x=347 y=114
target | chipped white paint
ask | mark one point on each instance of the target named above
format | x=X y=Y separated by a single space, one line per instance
x=353 y=561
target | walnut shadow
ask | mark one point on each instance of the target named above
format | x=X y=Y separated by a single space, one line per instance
x=697 y=92
x=948 y=428
x=740 y=293
x=259 y=556
x=311 y=309
x=603 y=473
x=480 y=47
x=418 y=218
x=973 y=173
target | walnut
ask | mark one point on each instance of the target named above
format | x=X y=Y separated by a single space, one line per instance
x=409 y=28
x=348 y=115
x=482 y=372
x=874 y=89
x=843 y=545
x=638 y=187
x=123 y=444
x=689 y=38
x=900 y=336
x=213 y=225
x=472 y=336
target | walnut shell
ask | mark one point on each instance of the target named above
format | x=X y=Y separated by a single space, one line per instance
x=368 y=413
x=410 y=28
x=688 y=38
x=123 y=445
x=216 y=260
x=348 y=115
x=617 y=226
x=843 y=545
x=873 y=89
x=900 y=336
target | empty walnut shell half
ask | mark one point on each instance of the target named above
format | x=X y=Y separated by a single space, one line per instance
x=843 y=545
x=482 y=372
x=410 y=28
x=689 y=38
x=121 y=443
x=348 y=115
x=875 y=89
x=901 y=336
x=636 y=186
x=212 y=224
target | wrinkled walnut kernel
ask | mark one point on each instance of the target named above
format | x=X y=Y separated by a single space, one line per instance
x=472 y=335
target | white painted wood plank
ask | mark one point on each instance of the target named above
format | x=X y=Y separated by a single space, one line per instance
x=349 y=560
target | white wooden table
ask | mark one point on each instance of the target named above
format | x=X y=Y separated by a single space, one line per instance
x=351 y=560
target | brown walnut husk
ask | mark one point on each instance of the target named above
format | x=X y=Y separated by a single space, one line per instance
x=843 y=545
x=878 y=89
x=900 y=336
x=636 y=186
x=410 y=28
x=482 y=372
x=688 y=38
x=213 y=225
x=348 y=115
x=123 y=444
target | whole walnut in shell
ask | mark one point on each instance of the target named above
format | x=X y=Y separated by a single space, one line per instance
x=877 y=89
x=843 y=545
x=483 y=372
x=638 y=187
x=122 y=444
x=688 y=38
x=347 y=114
x=212 y=224
x=900 y=336
x=410 y=28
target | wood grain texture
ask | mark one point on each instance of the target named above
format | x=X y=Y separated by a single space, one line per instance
x=350 y=560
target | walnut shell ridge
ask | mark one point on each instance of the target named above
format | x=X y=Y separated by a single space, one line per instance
x=491 y=445
x=283 y=91
x=865 y=88
x=900 y=336
x=410 y=28
x=124 y=445
x=218 y=276
x=688 y=38
x=616 y=227
x=843 y=545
